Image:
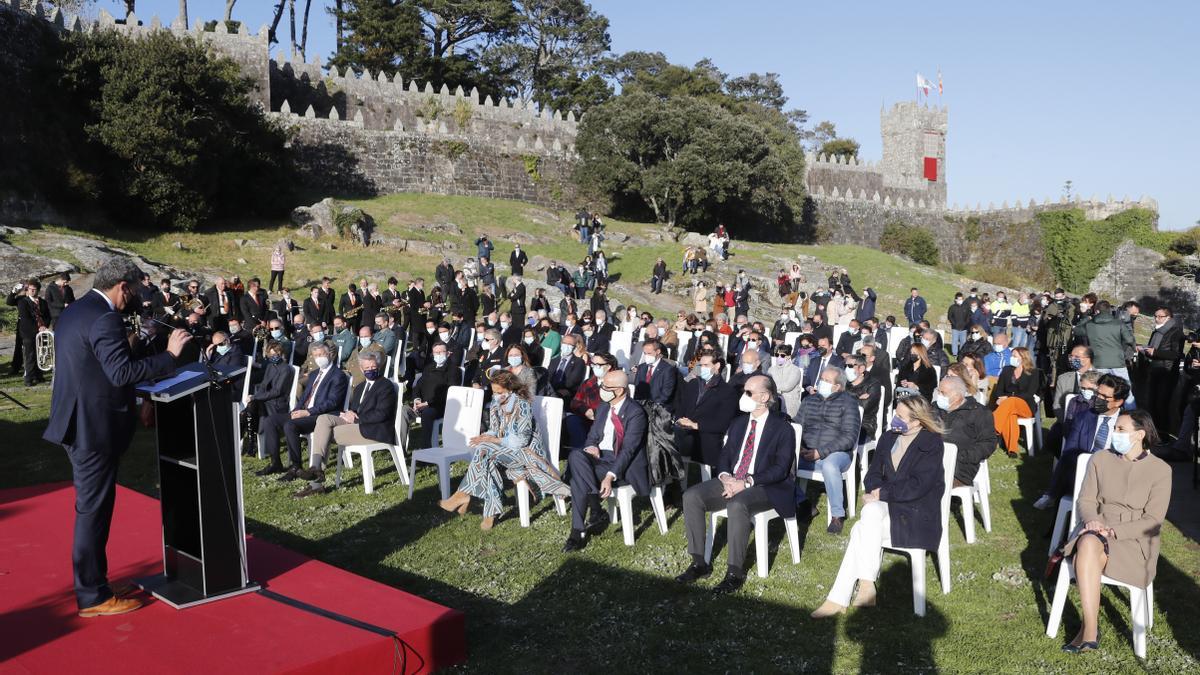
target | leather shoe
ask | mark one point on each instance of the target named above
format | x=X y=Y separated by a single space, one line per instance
x=113 y=605
x=269 y=470
x=293 y=473
x=730 y=584
x=310 y=491
x=598 y=523
x=311 y=474
x=1072 y=648
x=694 y=572
x=835 y=525
x=575 y=542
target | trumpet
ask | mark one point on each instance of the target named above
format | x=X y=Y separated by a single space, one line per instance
x=44 y=343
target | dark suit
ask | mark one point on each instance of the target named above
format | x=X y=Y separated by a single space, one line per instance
x=32 y=315
x=272 y=393
x=713 y=412
x=565 y=379
x=314 y=314
x=254 y=308
x=376 y=412
x=660 y=388
x=160 y=303
x=217 y=320
x=58 y=297
x=813 y=373
x=774 y=485
x=628 y=463
x=1080 y=440
x=371 y=306
x=92 y=415
x=912 y=491
x=330 y=396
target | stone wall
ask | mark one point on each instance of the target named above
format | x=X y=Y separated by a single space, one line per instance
x=1133 y=273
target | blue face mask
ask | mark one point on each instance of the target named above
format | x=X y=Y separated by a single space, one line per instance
x=318 y=336
x=898 y=425
x=1122 y=443
x=277 y=333
x=706 y=373
x=514 y=361
x=222 y=349
x=371 y=375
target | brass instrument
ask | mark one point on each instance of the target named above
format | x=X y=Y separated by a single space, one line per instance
x=191 y=302
x=45 y=349
x=353 y=312
x=260 y=334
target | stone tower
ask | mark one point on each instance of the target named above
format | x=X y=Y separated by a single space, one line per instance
x=914 y=149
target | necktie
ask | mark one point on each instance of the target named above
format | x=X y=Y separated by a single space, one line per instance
x=562 y=366
x=618 y=431
x=312 y=396
x=743 y=466
x=649 y=373
x=1101 y=436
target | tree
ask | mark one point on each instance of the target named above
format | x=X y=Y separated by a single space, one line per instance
x=382 y=35
x=821 y=134
x=271 y=38
x=304 y=31
x=840 y=147
x=761 y=89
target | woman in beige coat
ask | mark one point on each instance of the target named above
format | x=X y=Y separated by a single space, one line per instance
x=700 y=298
x=1122 y=503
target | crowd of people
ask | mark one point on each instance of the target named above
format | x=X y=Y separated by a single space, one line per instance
x=713 y=386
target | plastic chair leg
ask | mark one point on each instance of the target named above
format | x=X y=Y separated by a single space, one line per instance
x=412 y=472
x=943 y=561
x=625 y=500
x=710 y=537
x=368 y=471
x=660 y=509
x=1062 y=586
x=337 y=476
x=985 y=509
x=918 y=584
x=760 y=545
x=523 y=502
x=443 y=468
x=968 y=514
x=1137 y=611
x=560 y=505
x=401 y=467
x=793 y=534
x=1060 y=521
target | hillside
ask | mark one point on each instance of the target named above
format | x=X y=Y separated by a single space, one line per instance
x=435 y=224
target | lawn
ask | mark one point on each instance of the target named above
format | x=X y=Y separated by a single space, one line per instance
x=613 y=608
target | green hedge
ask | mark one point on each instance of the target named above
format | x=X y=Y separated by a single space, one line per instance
x=913 y=242
x=1076 y=248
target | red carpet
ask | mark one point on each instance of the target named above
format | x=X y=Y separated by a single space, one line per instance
x=40 y=632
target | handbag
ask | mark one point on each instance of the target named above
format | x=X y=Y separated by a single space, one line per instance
x=1053 y=563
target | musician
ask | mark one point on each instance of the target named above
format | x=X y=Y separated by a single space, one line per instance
x=314 y=309
x=344 y=339
x=92 y=415
x=372 y=304
x=285 y=306
x=58 y=295
x=165 y=305
x=146 y=292
x=253 y=305
x=351 y=307
x=392 y=293
x=221 y=305
x=328 y=294
x=33 y=315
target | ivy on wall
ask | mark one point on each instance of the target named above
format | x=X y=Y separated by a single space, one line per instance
x=1076 y=248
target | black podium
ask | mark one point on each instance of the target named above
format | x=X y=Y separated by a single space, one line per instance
x=200 y=484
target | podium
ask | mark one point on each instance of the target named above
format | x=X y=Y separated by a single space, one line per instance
x=200 y=486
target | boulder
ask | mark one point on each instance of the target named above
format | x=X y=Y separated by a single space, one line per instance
x=10 y=229
x=355 y=224
x=16 y=265
x=316 y=220
x=440 y=228
x=423 y=247
x=694 y=239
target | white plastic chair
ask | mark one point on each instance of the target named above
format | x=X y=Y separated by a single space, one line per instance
x=365 y=451
x=790 y=337
x=869 y=445
x=847 y=476
x=620 y=509
x=895 y=335
x=464 y=412
x=547 y=415
x=345 y=406
x=969 y=495
x=838 y=331
x=916 y=556
x=723 y=340
x=621 y=344
x=546 y=358
x=1032 y=426
x=1141 y=600
x=760 y=521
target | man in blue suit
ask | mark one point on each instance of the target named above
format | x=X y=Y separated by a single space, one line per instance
x=92 y=415
x=324 y=393
x=654 y=379
x=614 y=452
x=755 y=473
x=824 y=358
x=1091 y=432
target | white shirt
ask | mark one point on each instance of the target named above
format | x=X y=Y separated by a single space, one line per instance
x=760 y=420
x=366 y=388
x=1109 y=421
x=111 y=306
x=610 y=433
x=317 y=386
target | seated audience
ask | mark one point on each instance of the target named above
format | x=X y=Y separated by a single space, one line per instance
x=1091 y=432
x=269 y=396
x=867 y=391
x=704 y=409
x=325 y=392
x=831 y=423
x=569 y=368
x=429 y=393
x=788 y=379
x=587 y=398
x=1012 y=397
x=655 y=378
x=968 y=425
x=916 y=373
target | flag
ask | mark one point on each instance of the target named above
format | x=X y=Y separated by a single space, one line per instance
x=939 y=81
x=923 y=84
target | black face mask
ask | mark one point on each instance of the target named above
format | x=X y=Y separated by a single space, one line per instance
x=1099 y=406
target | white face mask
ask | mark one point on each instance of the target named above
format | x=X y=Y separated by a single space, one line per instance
x=599 y=371
x=567 y=350
x=527 y=340
x=747 y=404
x=940 y=400
x=851 y=374
x=752 y=344
x=1014 y=361
x=606 y=395
x=439 y=359
x=504 y=325
x=445 y=337
x=824 y=389
x=364 y=341
x=749 y=368
x=322 y=362
x=1087 y=394
x=649 y=359
x=431 y=331
x=1122 y=443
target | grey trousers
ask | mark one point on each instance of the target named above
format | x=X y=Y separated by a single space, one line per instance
x=704 y=498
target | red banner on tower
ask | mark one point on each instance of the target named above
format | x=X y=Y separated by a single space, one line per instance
x=931 y=169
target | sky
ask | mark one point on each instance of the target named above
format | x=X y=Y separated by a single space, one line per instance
x=1101 y=93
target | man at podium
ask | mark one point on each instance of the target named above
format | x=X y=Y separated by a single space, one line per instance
x=93 y=416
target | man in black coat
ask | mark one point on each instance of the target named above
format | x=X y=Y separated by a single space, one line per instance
x=516 y=301
x=33 y=314
x=254 y=305
x=429 y=393
x=654 y=378
x=350 y=308
x=222 y=305
x=754 y=474
x=58 y=295
x=517 y=260
x=372 y=304
x=567 y=370
x=370 y=419
x=705 y=407
x=93 y=416
x=165 y=306
x=1161 y=357
x=969 y=426
x=614 y=454
x=658 y=276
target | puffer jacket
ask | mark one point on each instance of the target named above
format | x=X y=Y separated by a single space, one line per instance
x=830 y=424
x=1108 y=337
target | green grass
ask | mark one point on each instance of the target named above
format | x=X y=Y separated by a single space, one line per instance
x=616 y=609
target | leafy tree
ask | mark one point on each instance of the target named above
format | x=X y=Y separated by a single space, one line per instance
x=765 y=90
x=842 y=147
x=824 y=132
x=381 y=35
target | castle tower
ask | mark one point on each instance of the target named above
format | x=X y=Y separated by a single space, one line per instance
x=914 y=149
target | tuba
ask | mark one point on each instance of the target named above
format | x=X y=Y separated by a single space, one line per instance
x=191 y=302
x=44 y=343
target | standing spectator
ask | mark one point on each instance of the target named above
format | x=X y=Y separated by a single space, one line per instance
x=1108 y=337
x=595 y=242
x=583 y=225
x=516 y=300
x=1163 y=354
x=444 y=275
x=487 y=274
x=33 y=314
x=796 y=277
x=959 y=316
x=484 y=247
x=658 y=275
x=517 y=260
x=278 y=261
x=60 y=294
x=600 y=264
x=700 y=299
x=784 y=283
x=914 y=307
x=1020 y=321
x=582 y=278
x=866 y=306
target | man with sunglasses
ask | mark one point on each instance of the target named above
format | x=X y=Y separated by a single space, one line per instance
x=1091 y=431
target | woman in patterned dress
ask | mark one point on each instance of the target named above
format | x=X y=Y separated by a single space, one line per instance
x=511 y=444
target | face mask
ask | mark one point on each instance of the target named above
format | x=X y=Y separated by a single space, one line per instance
x=783 y=317
x=824 y=389
x=501 y=399
x=747 y=404
x=997 y=348
x=364 y=341
x=1076 y=364
x=974 y=308
x=1084 y=307
x=527 y=340
x=277 y=333
x=234 y=328
x=444 y=337
x=958 y=301
x=851 y=374
x=752 y=344
x=606 y=395
x=706 y=373
x=439 y=359
x=298 y=326
x=749 y=368
x=322 y=362
x=1160 y=324
x=928 y=344
x=514 y=361
x=898 y=425
x=371 y=374
x=599 y=371
x=822 y=350
x=781 y=360
x=318 y=336
x=650 y=360
x=1122 y=443
x=941 y=401
x=275 y=359
x=431 y=331
x=865 y=334
x=587 y=333
x=222 y=349
x=1014 y=361
x=975 y=336
x=504 y=325
x=567 y=350
x=1087 y=394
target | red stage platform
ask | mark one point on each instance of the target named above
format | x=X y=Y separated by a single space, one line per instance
x=41 y=633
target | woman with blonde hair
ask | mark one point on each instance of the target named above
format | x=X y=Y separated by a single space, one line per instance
x=901 y=507
x=1012 y=397
x=511 y=443
x=916 y=372
x=967 y=374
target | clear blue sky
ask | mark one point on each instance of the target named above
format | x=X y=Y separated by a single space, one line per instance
x=1103 y=93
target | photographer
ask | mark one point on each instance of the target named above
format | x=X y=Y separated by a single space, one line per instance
x=1182 y=449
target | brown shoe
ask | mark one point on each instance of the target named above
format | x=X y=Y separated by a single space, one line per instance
x=459 y=501
x=125 y=590
x=487 y=523
x=113 y=605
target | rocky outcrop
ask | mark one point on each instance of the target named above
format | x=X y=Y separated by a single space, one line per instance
x=326 y=218
x=44 y=254
x=1135 y=273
